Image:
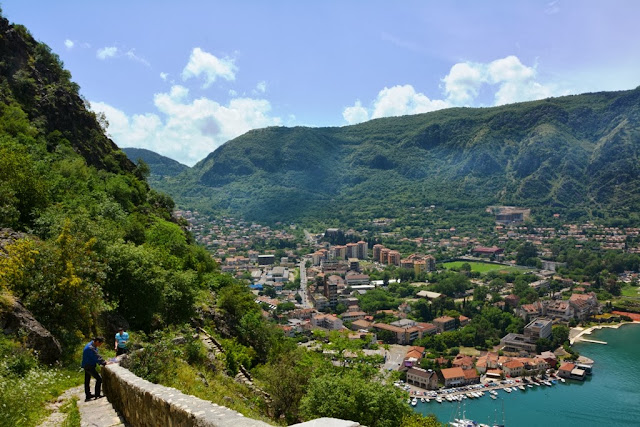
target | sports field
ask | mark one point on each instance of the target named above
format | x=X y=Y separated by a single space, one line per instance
x=481 y=267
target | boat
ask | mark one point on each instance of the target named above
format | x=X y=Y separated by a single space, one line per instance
x=422 y=400
x=439 y=399
x=563 y=380
x=521 y=387
x=414 y=402
x=409 y=401
x=530 y=385
x=494 y=397
x=507 y=389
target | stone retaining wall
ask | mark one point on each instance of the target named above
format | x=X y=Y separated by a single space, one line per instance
x=144 y=404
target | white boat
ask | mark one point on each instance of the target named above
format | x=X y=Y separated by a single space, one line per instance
x=439 y=399
x=507 y=389
x=521 y=387
x=409 y=401
x=493 y=396
x=427 y=399
x=530 y=385
x=563 y=380
x=414 y=402
x=422 y=399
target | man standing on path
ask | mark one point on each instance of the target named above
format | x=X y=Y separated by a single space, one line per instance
x=122 y=338
x=90 y=359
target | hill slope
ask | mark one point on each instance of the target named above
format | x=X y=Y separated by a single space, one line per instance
x=160 y=167
x=576 y=154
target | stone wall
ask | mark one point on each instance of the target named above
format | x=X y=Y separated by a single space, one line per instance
x=144 y=404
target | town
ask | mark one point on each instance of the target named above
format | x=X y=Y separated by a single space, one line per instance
x=494 y=310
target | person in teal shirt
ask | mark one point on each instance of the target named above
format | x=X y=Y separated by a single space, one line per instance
x=122 y=338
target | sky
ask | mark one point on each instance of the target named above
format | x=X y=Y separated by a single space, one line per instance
x=182 y=78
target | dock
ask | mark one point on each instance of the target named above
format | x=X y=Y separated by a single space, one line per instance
x=593 y=341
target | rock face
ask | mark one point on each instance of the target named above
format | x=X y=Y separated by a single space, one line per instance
x=17 y=319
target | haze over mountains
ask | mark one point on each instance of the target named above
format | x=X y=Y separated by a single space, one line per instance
x=577 y=155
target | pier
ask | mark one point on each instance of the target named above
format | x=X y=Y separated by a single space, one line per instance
x=593 y=341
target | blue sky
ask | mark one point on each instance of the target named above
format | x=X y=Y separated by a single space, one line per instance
x=182 y=78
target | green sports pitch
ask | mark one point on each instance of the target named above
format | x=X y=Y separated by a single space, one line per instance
x=481 y=267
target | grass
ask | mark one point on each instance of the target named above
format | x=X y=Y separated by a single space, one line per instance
x=481 y=267
x=73 y=413
x=26 y=386
x=631 y=291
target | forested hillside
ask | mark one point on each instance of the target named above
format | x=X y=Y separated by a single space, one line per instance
x=87 y=246
x=577 y=155
x=159 y=166
x=98 y=240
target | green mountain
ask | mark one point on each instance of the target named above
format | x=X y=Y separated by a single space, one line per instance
x=87 y=238
x=159 y=165
x=578 y=155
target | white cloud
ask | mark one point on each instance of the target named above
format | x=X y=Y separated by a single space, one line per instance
x=131 y=54
x=261 y=87
x=69 y=44
x=552 y=7
x=508 y=79
x=164 y=76
x=186 y=129
x=204 y=63
x=463 y=83
x=107 y=52
x=402 y=100
x=355 y=114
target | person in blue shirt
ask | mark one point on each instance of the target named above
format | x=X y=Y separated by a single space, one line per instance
x=90 y=359
x=122 y=338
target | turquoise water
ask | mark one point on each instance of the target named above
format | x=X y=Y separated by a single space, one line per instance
x=610 y=397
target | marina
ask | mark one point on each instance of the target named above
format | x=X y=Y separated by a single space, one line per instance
x=608 y=397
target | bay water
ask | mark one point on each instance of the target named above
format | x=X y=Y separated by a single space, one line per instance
x=609 y=397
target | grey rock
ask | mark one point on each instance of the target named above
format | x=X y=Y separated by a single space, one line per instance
x=16 y=319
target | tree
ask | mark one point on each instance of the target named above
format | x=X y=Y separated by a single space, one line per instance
x=350 y=397
x=527 y=254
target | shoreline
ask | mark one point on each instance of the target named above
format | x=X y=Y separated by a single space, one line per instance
x=590 y=330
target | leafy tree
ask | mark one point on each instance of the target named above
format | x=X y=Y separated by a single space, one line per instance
x=350 y=397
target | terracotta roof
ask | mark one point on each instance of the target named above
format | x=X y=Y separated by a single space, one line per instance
x=514 y=364
x=449 y=373
x=470 y=374
x=567 y=367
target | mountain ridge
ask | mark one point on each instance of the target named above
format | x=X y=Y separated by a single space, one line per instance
x=576 y=154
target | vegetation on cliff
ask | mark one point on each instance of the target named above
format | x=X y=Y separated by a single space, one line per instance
x=576 y=155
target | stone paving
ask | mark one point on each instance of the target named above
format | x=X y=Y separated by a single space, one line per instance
x=95 y=413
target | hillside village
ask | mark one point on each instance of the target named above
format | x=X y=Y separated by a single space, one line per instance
x=333 y=293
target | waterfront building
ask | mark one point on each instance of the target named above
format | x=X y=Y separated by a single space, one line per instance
x=452 y=377
x=426 y=379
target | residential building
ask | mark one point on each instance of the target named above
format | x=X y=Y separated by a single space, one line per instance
x=584 y=305
x=351 y=316
x=514 y=368
x=425 y=379
x=327 y=321
x=393 y=258
x=517 y=343
x=384 y=255
x=453 y=377
x=363 y=248
x=444 y=323
x=376 y=252
x=560 y=310
x=538 y=328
